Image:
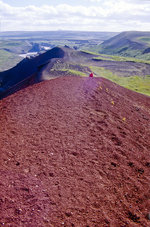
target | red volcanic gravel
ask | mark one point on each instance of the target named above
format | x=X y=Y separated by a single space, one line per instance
x=75 y=153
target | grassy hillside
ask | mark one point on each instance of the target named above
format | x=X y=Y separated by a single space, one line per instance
x=15 y=46
x=120 y=58
x=8 y=60
x=128 y=44
x=135 y=83
x=9 y=52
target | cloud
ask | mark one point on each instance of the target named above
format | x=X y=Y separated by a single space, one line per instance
x=96 y=0
x=110 y=15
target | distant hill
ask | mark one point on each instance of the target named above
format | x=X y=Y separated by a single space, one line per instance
x=12 y=44
x=57 y=35
x=133 y=44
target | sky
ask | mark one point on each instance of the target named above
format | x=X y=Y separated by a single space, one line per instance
x=75 y=15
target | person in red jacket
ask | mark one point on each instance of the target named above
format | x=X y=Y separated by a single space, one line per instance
x=91 y=75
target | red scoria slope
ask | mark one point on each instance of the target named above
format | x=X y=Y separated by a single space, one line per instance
x=74 y=153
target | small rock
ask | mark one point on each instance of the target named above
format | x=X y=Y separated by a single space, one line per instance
x=130 y=164
x=68 y=214
x=51 y=174
x=18 y=211
x=137 y=108
x=26 y=170
x=133 y=217
x=17 y=163
x=75 y=153
x=147 y=164
x=141 y=171
x=145 y=118
x=113 y=164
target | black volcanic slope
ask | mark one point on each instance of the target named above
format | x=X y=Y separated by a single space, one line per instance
x=26 y=71
x=28 y=67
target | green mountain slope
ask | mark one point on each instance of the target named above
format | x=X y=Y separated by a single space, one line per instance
x=129 y=44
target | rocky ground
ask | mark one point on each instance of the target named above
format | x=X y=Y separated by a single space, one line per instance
x=75 y=153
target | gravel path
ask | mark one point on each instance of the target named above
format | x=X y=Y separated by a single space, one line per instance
x=74 y=153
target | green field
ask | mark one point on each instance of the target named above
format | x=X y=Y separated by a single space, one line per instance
x=120 y=58
x=135 y=83
x=8 y=60
x=73 y=72
x=145 y=39
x=70 y=68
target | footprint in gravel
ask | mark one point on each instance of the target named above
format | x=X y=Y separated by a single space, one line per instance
x=147 y=164
x=131 y=164
x=96 y=205
x=141 y=171
x=133 y=217
x=99 y=128
x=51 y=174
x=68 y=214
x=114 y=164
x=102 y=123
x=74 y=153
x=123 y=134
x=116 y=140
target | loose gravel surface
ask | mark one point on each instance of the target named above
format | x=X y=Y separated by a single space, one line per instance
x=74 y=152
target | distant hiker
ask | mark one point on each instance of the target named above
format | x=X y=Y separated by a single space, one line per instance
x=91 y=75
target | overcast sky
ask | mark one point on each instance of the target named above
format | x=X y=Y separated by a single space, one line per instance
x=85 y=15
